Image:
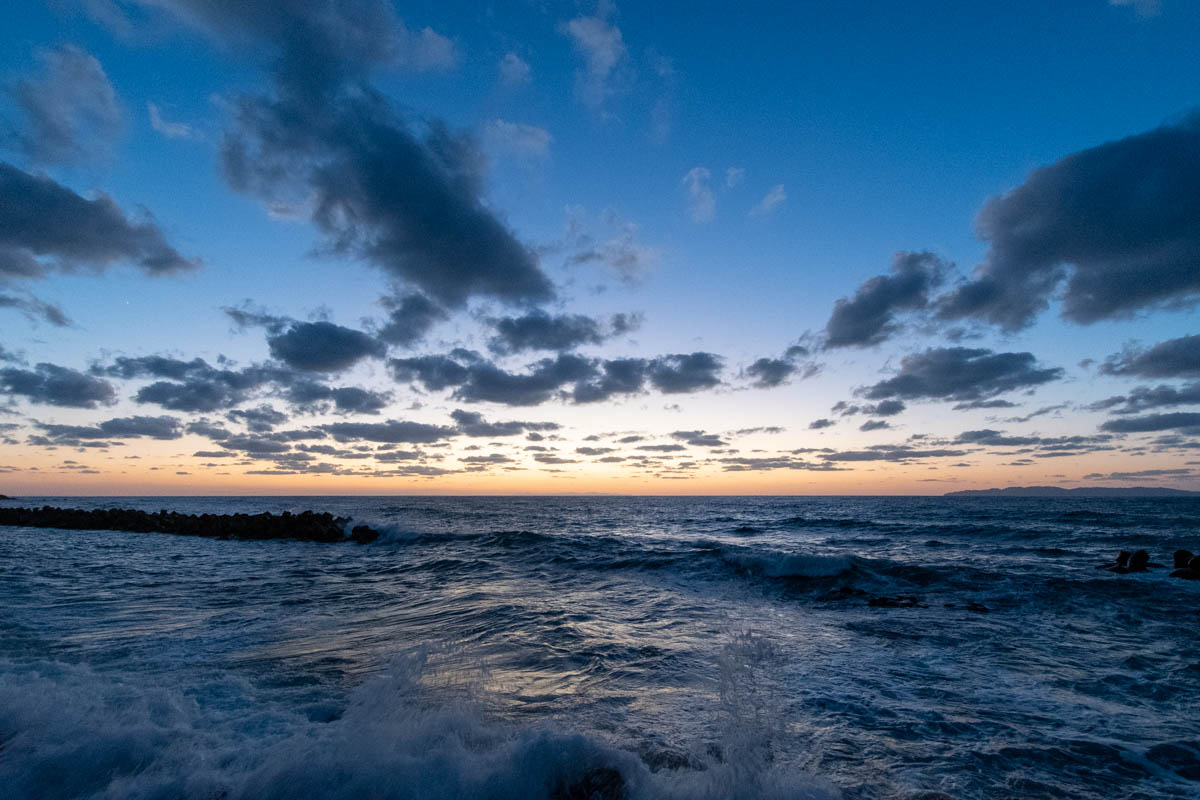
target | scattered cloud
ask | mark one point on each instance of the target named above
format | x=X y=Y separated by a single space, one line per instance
x=962 y=374
x=772 y=200
x=702 y=203
x=1118 y=223
x=71 y=111
x=868 y=318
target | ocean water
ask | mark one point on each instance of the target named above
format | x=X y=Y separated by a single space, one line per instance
x=633 y=647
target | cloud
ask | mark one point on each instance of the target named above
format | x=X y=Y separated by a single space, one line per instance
x=600 y=44
x=51 y=384
x=1143 y=8
x=171 y=130
x=71 y=110
x=193 y=385
x=767 y=373
x=702 y=203
x=1188 y=422
x=1174 y=358
x=538 y=330
x=567 y=376
x=818 y=424
x=892 y=452
x=962 y=374
x=868 y=318
x=162 y=428
x=514 y=71
x=263 y=419
x=323 y=347
x=680 y=373
x=411 y=317
x=407 y=199
x=33 y=308
x=473 y=424
x=874 y=425
x=771 y=201
x=620 y=251
x=313 y=397
x=699 y=438
x=734 y=176
x=1144 y=398
x=517 y=139
x=391 y=432
x=1119 y=223
x=46 y=227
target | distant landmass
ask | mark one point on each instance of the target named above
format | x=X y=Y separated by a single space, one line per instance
x=1083 y=491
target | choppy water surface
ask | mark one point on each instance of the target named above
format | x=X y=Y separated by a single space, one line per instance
x=507 y=648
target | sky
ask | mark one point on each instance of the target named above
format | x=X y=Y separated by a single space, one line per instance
x=366 y=247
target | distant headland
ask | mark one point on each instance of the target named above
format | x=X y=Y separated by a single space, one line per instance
x=1082 y=491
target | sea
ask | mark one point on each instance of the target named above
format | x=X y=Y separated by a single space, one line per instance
x=595 y=648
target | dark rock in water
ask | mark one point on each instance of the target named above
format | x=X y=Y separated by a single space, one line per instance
x=1191 y=572
x=980 y=607
x=1122 y=562
x=1182 y=557
x=899 y=601
x=841 y=593
x=598 y=783
x=1130 y=562
x=306 y=527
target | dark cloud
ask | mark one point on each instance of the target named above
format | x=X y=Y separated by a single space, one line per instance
x=1187 y=422
x=195 y=385
x=53 y=385
x=263 y=419
x=1144 y=398
x=961 y=373
x=1174 y=358
x=46 y=227
x=885 y=408
x=818 y=424
x=767 y=373
x=974 y=404
x=392 y=432
x=567 y=376
x=255 y=446
x=661 y=448
x=473 y=424
x=619 y=376
x=680 y=373
x=699 y=438
x=36 y=309
x=874 y=425
x=323 y=347
x=868 y=318
x=489 y=383
x=312 y=397
x=538 y=330
x=1120 y=223
x=891 y=452
x=408 y=201
x=595 y=451
x=410 y=317
x=70 y=108
x=118 y=428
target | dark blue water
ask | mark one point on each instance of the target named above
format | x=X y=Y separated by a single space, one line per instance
x=701 y=647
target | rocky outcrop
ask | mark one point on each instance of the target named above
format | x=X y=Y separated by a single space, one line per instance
x=306 y=527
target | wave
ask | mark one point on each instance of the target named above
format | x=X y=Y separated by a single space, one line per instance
x=70 y=732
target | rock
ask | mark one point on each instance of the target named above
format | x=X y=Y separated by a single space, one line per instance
x=1182 y=557
x=1191 y=572
x=307 y=526
x=980 y=607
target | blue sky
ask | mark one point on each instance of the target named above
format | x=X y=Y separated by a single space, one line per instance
x=723 y=176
